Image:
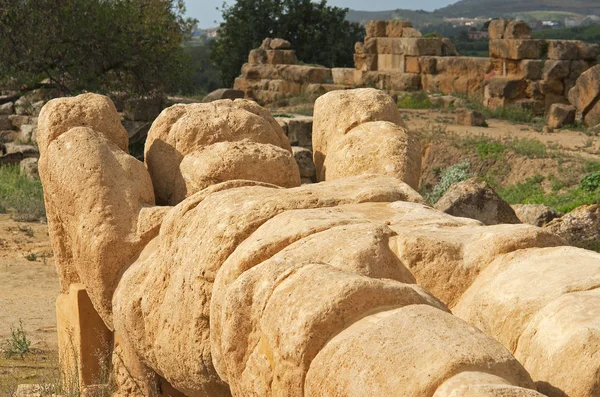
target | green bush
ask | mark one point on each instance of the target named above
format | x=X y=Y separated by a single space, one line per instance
x=22 y=197
x=453 y=174
x=417 y=100
x=531 y=192
x=489 y=149
x=591 y=182
x=18 y=343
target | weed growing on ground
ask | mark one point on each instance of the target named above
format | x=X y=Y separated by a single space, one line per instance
x=18 y=344
x=416 y=100
x=23 y=197
x=453 y=174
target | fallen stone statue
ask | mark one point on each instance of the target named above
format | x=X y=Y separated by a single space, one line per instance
x=209 y=271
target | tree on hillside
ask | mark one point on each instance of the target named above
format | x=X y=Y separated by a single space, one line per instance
x=132 y=46
x=319 y=33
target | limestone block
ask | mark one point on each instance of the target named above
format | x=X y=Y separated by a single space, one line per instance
x=536 y=214
x=345 y=76
x=588 y=51
x=399 y=29
x=517 y=30
x=496 y=28
x=412 y=65
x=439 y=342
x=306 y=165
x=516 y=48
x=469 y=117
x=366 y=62
x=563 y=49
x=504 y=289
x=584 y=95
x=421 y=46
x=551 y=346
x=376 y=28
x=390 y=62
x=408 y=32
x=499 y=87
x=165 y=314
x=338 y=112
x=225 y=161
x=306 y=74
x=399 y=81
x=476 y=200
x=84 y=342
x=428 y=65
x=184 y=129
x=280 y=44
x=560 y=115
x=377 y=147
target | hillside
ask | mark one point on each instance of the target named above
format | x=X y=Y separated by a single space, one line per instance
x=495 y=8
x=538 y=9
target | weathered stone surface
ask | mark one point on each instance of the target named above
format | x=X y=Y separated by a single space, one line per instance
x=184 y=129
x=477 y=384
x=500 y=87
x=89 y=110
x=279 y=44
x=306 y=165
x=580 y=227
x=585 y=95
x=365 y=62
x=446 y=253
x=143 y=109
x=378 y=147
x=496 y=28
x=226 y=161
x=448 y=48
x=470 y=117
x=588 y=51
x=517 y=30
x=439 y=342
x=563 y=49
x=516 y=49
x=162 y=304
x=400 y=29
x=93 y=225
x=28 y=167
x=535 y=214
x=476 y=200
x=7 y=109
x=551 y=345
x=338 y=112
x=560 y=115
x=223 y=93
x=502 y=303
x=376 y=28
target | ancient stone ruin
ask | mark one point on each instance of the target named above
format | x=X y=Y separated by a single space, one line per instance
x=209 y=271
x=520 y=71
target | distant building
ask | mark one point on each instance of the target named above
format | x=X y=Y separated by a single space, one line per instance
x=478 y=35
x=471 y=22
x=572 y=22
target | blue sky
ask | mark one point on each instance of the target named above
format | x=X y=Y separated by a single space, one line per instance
x=207 y=15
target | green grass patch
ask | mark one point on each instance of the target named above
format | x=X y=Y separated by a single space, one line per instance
x=531 y=192
x=21 y=197
x=531 y=148
x=416 y=100
x=490 y=150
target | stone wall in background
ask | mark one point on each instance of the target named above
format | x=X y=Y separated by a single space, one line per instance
x=395 y=57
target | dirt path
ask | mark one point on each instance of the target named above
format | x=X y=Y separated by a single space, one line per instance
x=573 y=142
x=28 y=290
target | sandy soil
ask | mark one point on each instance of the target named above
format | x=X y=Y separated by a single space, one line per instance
x=29 y=287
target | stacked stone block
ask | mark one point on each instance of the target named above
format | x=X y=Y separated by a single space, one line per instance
x=272 y=73
x=531 y=73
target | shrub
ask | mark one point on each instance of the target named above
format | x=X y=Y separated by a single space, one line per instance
x=23 y=197
x=453 y=174
x=489 y=149
x=18 y=343
x=591 y=182
x=418 y=100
